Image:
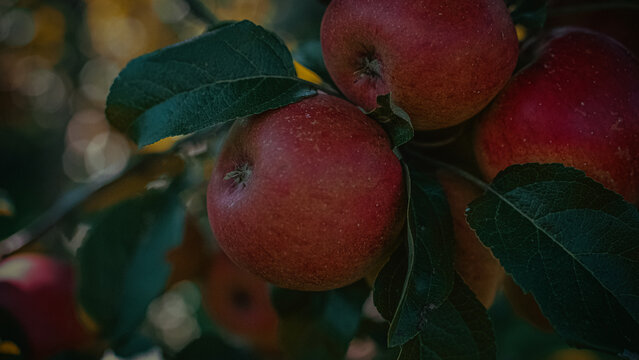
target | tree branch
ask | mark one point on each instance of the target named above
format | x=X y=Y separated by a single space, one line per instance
x=200 y=11
x=77 y=197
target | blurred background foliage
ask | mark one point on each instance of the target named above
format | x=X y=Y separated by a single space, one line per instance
x=58 y=59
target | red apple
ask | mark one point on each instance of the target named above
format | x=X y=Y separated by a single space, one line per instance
x=38 y=294
x=474 y=262
x=443 y=61
x=309 y=196
x=239 y=302
x=577 y=104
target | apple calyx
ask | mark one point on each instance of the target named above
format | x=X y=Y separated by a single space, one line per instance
x=240 y=175
x=241 y=299
x=371 y=66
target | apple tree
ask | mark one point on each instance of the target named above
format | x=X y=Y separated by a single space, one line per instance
x=390 y=185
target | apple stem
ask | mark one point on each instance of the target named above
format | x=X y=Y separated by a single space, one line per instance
x=240 y=175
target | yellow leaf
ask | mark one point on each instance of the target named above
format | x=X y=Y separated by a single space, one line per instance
x=9 y=348
x=160 y=146
x=521 y=32
x=306 y=74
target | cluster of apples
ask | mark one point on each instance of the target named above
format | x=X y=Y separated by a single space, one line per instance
x=311 y=197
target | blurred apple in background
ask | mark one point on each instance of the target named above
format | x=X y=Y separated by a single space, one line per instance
x=37 y=294
x=240 y=303
x=525 y=306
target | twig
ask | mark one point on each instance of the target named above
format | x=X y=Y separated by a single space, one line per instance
x=200 y=11
x=71 y=200
x=52 y=216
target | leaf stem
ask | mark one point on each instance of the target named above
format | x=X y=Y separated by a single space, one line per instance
x=465 y=174
x=458 y=132
x=199 y=10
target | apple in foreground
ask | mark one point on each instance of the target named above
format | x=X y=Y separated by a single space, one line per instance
x=442 y=63
x=474 y=262
x=309 y=196
x=577 y=104
x=239 y=302
x=37 y=299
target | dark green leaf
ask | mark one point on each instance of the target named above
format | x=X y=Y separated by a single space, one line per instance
x=212 y=348
x=573 y=244
x=319 y=325
x=389 y=283
x=458 y=329
x=234 y=71
x=123 y=263
x=422 y=276
x=394 y=120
